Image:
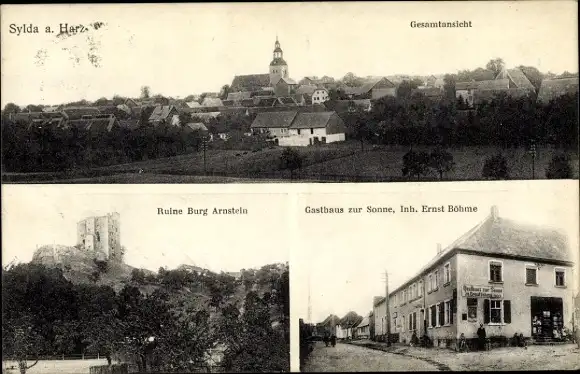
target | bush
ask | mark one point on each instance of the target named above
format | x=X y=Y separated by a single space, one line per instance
x=495 y=167
x=559 y=167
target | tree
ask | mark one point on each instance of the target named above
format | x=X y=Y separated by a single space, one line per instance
x=138 y=276
x=21 y=342
x=495 y=65
x=34 y=108
x=352 y=80
x=415 y=164
x=11 y=108
x=441 y=161
x=225 y=90
x=145 y=92
x=559 y=167
x=495 y=167
x=102 y=101
x=361 y=129
x=291 y=159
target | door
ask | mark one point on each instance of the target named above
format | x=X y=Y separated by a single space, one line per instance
x=547 y=317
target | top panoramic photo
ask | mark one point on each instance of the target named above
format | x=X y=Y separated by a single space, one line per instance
x=289 y=92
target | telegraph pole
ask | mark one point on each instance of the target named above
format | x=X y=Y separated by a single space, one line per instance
x=533 y=153
x=388 y=309
x=204 y=158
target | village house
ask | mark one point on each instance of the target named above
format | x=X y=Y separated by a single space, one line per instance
x=167 y=114
x=551 y=89
x=374 y=88
x=276 y=124
x=363 y=329
x=510 y=277
x=311 y=128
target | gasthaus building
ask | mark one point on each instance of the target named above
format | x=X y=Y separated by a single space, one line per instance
x=510 y=277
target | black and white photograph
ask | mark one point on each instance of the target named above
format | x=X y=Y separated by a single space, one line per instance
x=289 y=92
x=116 y=281
x=440 y=280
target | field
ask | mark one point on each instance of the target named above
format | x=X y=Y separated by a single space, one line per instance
x=386 y=163
x=339 y=162
x=56 y=367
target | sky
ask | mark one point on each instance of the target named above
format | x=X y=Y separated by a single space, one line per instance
x=183 y=49
x=344 y=257
x=34 y=215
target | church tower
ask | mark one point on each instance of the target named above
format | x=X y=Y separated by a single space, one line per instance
x=278 y=67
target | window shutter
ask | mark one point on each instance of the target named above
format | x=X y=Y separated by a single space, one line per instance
x=441 y=314
x=486 y=311
x=507 y=311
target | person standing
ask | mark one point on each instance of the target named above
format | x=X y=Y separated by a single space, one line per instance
x=481 y=336
x=333 y=340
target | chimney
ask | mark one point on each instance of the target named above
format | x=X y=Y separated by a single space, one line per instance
x=494 y=212
x=439 y=250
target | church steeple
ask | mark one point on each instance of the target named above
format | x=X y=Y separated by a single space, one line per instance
x=278 y=67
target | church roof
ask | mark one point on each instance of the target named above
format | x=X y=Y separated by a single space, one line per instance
x=253 y=82
x=278 y=62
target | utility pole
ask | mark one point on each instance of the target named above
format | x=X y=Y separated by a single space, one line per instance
x=204 y=158
x=388 y=309
x=533 y=153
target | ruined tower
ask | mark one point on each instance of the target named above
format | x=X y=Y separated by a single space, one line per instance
x=101 y=235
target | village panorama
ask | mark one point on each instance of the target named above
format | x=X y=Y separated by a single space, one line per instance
x=497 y=121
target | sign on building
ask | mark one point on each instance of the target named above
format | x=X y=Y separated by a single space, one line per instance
x=485 y=292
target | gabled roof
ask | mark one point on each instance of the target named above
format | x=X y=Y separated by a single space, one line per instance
x=252 y=82
x=162 y=112
x=98 y=124
x=196 y=126
x=274 y=119
x=496 y=236
x=306 y=89
x=265 y=101
x=311 y=120
x=496 y=84
x=466 y=85
x=193 y=104
x=238 y=96
x=351 y=319
x=518 y=78
x=212 y=102
x=553 y=88
x=287 y=80
x=364 y=322
x=79 y=112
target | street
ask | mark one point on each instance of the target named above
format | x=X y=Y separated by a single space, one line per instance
x=345 y=357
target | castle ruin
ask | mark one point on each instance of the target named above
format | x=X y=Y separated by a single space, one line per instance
x=101 y=235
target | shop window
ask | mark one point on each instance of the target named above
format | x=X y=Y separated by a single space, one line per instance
x=495 y=271
x=560 y=277
x=531 y=275
x=472 y=309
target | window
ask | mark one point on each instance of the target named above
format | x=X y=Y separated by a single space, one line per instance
x=440 y=314
x=531 y=275
x=403 y=324
x=472 y=309
x=433 y=315
x=415 y=321
x=447 y=273
x=311 y=131
x=411 y=322
x=436 y=280
x=495 y=271
x=430 y=283
x=560 y=277
x=420 y=293
x=448 y=312
x=495 y=311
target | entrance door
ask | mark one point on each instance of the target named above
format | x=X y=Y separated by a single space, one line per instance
x=547 y=316
x=423 y=321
